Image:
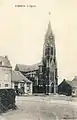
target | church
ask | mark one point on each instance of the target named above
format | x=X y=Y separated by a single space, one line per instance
x=44 y=74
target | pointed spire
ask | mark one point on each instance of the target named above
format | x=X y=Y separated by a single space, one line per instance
x=49 y=31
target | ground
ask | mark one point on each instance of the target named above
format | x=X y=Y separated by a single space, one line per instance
x=43 y=108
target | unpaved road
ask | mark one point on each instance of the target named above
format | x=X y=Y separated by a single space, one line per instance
x=41 y=108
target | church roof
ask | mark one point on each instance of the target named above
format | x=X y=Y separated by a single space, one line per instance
x=4 y=61
x=19 y=77
x=27 y=68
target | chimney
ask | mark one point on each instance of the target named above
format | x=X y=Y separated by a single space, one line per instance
x=6 y=56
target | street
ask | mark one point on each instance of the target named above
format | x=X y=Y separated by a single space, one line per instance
x=41 y=108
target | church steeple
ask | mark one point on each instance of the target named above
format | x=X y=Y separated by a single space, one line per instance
x=49 y=33
x=49 y=60
x=49 y=44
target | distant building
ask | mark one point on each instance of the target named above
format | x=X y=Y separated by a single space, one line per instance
x=68 y=87
x=5 y=73
x=20 y=83
x=65 y=87
x=44 y=74
x=74 y=86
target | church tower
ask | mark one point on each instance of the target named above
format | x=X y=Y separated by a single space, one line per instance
x=49 y=62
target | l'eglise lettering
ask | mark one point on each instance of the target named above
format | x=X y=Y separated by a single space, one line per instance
x=31 y=6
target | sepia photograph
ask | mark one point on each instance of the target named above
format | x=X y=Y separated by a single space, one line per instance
x=38 y=60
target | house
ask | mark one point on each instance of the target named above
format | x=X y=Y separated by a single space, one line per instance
x=74 y=86
x=5 y=73
x=7 y=94
x=43 y=74
x=67 y=87
x=20 y=83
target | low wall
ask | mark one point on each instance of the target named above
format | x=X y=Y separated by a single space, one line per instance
x=7 y=99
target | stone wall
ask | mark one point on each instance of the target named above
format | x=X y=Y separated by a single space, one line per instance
x=7 y=100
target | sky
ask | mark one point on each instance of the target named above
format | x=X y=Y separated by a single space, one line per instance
x=22 y=32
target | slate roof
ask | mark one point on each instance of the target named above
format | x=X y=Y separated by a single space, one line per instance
x=72 y=83
x=69 y=82
x=19 y=77
x=27 y=68
x=6 y=62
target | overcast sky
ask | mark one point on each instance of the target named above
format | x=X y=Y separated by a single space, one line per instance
x=22 y=32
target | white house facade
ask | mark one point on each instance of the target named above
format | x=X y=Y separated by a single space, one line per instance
x=74 y=86
x=5 y=73
x=21 y=84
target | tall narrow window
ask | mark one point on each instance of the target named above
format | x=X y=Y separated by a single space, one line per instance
x=51 y=50
x=47 y=51
x=0 y=62
x=40 y=69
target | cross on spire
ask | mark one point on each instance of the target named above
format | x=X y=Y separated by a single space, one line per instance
x=49 y=13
